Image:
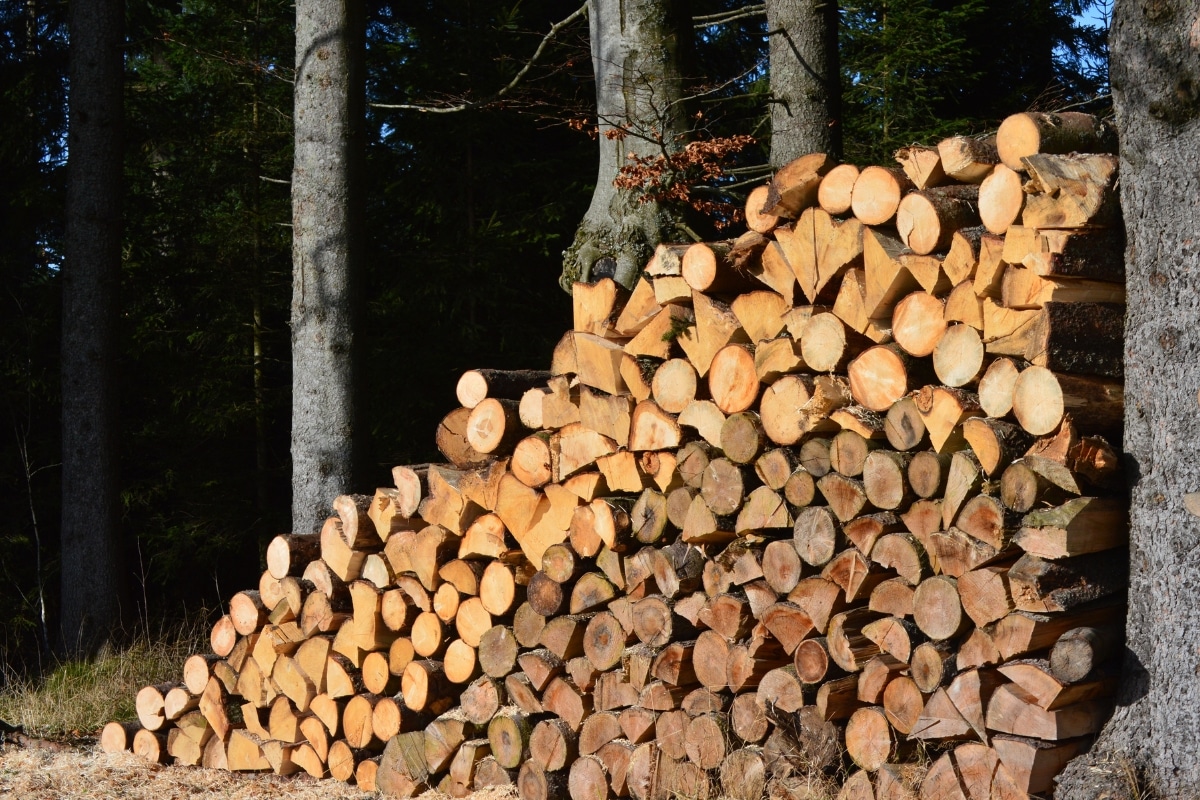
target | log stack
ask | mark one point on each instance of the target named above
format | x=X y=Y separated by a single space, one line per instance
x=835 y=492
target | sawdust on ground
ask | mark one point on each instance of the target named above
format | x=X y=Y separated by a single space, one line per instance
x=87 y=772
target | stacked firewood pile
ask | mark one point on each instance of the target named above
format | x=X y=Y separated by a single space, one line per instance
x=833 y=493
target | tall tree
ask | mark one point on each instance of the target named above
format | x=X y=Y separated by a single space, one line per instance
x=329 y=115
x=638 y=51
x=1156 y=93
x=90 y=281
x=806 y=86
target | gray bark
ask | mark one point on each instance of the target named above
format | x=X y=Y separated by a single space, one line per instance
x=637 y=48
x=1156 y=75
x=326 y=188
x=91 y=275
x=806 y=93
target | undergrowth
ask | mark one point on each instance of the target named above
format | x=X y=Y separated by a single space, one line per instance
x=76 y=698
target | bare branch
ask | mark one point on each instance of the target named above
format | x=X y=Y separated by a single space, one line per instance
x=707 y=21
x=541 y=48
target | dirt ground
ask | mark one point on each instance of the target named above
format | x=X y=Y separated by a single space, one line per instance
x=41 y=773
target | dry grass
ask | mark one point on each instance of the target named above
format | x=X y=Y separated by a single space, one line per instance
x=74 y=773
x=78 y=697
x=69 y=773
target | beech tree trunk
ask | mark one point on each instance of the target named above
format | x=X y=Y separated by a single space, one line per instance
x=806 y=92
x=638 y=47
x=91 y=280
x=326 y=213
x=1155 y=75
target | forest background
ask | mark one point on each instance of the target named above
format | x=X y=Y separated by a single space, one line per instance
x=467 y=217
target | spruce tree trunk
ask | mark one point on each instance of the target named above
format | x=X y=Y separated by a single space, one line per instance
x=326 y=203
x=806 y=86
x=1156 y=75
x=91 y=276
x=637 y=49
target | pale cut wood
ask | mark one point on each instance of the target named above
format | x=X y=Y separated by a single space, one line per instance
x=794 y=187
x=1039 y=685
x=760 y=314
x=879 y=377
x=777 y=272
x=667 y=259
x=922 y=165
x=877 y=193
x=1001 y=199
x=918 y=323
x=477 y=384
x=827 y=345
x=756 y=219
x=639 y=309
x=599 y=363
x=1042 y=397
x=937 y=609
x=870 y=742
x=715 y=327
x=927 y=220
x=943 y=410
x=1033 y=764
x=708 y=267
x=968 y=159
x=963 y=305
x=1029 y=133
x=886 y=281
x=674 y=385
x=903 y=425
x=1071 y=191
x=837 y=188
x=996 y=387
x=451 y=439
x=732 y=379
x=1008 y=712
x=958 y=357
x=595 y=307
x=903 y=703
x=990 y=267
x=1078 y=651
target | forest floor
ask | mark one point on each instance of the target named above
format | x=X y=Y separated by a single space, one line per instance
x=49 y=771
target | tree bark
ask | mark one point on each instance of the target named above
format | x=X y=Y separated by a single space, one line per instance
x=638 y=47
x=806 y=90
x=1155 y=76
x=91 y=278
x=326 y=245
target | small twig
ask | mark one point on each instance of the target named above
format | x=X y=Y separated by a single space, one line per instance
x=541 y=48
x=709 y=20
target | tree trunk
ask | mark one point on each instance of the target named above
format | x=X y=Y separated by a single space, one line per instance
x=1155 y=78
x=326 y=212
x=638 y=47
x=91 y=279
x=806 y=90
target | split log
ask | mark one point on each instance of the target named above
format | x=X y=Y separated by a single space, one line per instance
x=922 y=165
x=1008 y=712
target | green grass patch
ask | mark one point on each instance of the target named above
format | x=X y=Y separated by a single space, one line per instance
x=76 y=698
